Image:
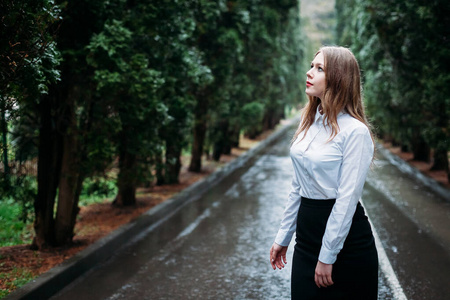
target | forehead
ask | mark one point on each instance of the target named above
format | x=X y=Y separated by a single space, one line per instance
x=319 y=59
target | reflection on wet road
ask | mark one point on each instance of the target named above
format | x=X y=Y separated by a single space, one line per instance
x=218 y=246
x=414 y=226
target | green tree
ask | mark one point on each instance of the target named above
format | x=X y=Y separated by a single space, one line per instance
x=401 y=45
x=218 y=39
x=29 y=66
x=27 y=61
x=65 y=114
x=254 y=52
x=137 y=81
x=128 y=84
x=174 y=53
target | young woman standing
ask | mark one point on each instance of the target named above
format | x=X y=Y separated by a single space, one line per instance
x=334 y=255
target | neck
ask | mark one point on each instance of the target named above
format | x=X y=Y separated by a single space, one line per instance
x=320 y=109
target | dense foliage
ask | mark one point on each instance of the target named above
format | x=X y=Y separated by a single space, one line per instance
x=404 y=51
x=118 y=88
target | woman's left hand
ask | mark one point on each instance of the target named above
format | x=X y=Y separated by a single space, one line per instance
x=322 y=275
x=277 y=256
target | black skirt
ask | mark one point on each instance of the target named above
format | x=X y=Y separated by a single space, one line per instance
x=355 y=272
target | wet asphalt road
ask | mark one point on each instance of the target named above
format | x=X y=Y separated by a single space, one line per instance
x=218 y=246
x=413 y=224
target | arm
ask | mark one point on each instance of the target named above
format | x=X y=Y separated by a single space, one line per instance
x=287 y=227
x=289 y=221
x=357 y=157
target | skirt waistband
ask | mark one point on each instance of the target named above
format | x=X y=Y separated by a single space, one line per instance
x=317 y=202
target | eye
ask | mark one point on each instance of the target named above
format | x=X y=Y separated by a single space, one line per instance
x=320 y=69
x=312 y=66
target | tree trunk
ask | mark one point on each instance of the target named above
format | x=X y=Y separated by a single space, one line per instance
x=217 y=151
x=420 y=148
x=49 y=166
x=4 y=129
x=201 y=111
x=127 y=179
x=222 y=139
x=159 y=165
x=440 y=160
x=173 y=162
x=271 y=119
x=266 y=121
x=68 y=194
x=230 y=140
x=227 y=148
x=235 y=134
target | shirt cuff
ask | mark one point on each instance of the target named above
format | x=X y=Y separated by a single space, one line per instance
x=327 y=256
x=283 y=238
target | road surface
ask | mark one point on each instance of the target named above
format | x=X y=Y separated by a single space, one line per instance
x=218 y=246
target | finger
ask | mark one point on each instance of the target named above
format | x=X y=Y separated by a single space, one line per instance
x=279 y=263
x=316 y=280
x=272 y=258
x=325 y=281
x=321 y=282
x=276 y=263
x=272 y=262
x=284 y=258
x=329 y=280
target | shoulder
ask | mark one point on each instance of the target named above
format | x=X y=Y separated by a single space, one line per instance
x=354 y=137
x=351 y=126
x=354 y=133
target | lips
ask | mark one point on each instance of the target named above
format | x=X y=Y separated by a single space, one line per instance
x=308 y=83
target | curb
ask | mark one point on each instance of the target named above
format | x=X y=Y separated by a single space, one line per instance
x=406 y=168
x=54 y=280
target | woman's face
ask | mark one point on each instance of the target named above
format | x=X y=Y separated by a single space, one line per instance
x=315 y=77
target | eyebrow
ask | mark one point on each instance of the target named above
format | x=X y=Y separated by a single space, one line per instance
x=318 y=64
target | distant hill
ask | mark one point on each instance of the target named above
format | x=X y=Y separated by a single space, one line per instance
x=318 y=21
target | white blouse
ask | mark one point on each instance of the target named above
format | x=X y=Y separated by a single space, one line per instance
x=323 y=169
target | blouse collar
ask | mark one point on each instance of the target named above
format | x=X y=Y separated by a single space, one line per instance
x=319 y=116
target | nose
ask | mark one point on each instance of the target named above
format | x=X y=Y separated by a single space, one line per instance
x=309 y=74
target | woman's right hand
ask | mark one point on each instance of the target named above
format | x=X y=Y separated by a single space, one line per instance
x=278 y=256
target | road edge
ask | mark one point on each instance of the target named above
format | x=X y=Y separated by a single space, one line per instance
x=385 y=264
x=406 y=168
x=54 y=280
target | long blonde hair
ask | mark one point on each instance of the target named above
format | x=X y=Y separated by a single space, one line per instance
x=342 y=92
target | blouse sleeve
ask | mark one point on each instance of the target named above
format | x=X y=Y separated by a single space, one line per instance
x=289 y=221
x=357 y=156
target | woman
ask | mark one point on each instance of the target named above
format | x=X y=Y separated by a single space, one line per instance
x=335 y=255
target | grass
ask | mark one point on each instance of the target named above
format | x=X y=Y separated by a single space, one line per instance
x=88 y=200
x=96 y=190
x=13 y=231
x=15 y=279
